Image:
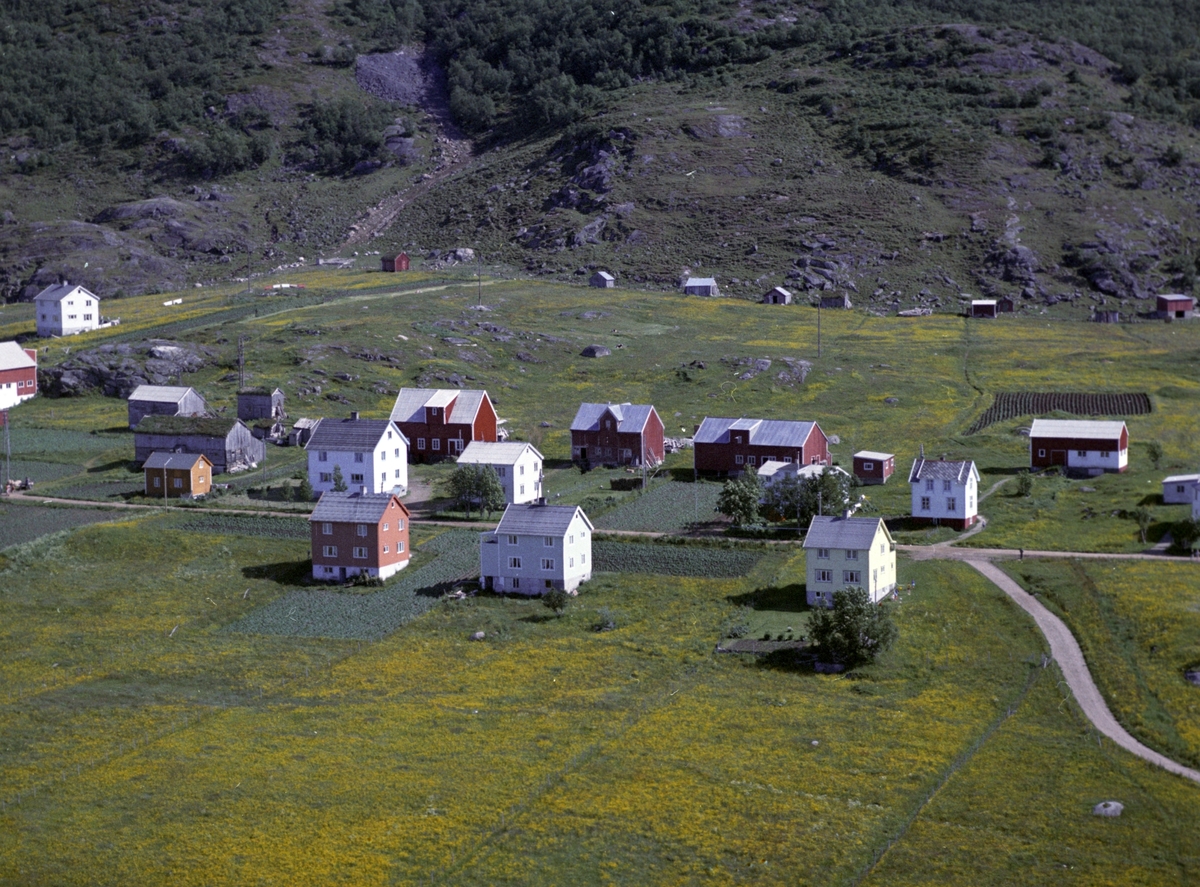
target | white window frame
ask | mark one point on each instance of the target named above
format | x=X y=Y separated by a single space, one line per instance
x=547 y=563
x=329 y=551
x=514 y=563
x=360 y=552
x=327 y=528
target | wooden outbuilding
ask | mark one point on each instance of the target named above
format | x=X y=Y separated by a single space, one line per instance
x=228 y=443
x=175 y=475
x=839 y=303
x=701 y=286
x=396 y=263
x=874 y=468
x=1005 y=305
x=777 y=296
x=1176 y=306
x=603 y=280
x=1081 y=445
x=260 y=403
x=983 y=308
x=164 y=400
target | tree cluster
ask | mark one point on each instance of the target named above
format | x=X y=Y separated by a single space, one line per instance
x=747 y=499
x=476 y=486
x=852 y=632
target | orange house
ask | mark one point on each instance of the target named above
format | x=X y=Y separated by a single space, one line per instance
x=178 y=474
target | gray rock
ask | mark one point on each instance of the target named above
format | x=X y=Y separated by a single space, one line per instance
x=478 y=636
x=595 y=351
x=1108 y=808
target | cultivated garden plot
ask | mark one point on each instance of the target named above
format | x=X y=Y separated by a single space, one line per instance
x=668 y=507
x=672 y=560
x=24 y=523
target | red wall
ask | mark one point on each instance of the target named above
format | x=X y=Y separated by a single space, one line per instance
x=721 y=457
x=26 y=374
x=345 y=537
x=458 y=428
x=1068 y=444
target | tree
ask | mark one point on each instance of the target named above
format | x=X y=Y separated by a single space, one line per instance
x=304 y=492
x=476 y=485
x=1155 y=451
x=555 y=599
x=1024 y=484
x=854 y=631
x=1144 y=517
x=339 y=482
x=799 y=498
x=739 y=499
x=1186 y=533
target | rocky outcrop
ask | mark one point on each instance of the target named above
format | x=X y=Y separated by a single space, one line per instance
x=115 y=370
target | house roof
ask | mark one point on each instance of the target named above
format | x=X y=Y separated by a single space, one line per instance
x=345 y=435
x=700 y=281
x=772 y=467
x=411 y=403
x=539 y=520
x=13 y=357
x=854 y=533
x=303 y=423
x=871 y=454
x=59 y=291
x=175 y=460
x=983 y=302
x=762 y=432
x=357 y=508
x=1082 y=429
x=161 y=393
x=1182 y=479
x=604 y=274
x=480 y=452
x=942 y=469
x=631 y=417
x=186 y=425
x=779 y=289
x=259 y=392
x=1177 y=297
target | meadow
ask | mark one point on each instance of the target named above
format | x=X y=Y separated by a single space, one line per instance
x=145 y=741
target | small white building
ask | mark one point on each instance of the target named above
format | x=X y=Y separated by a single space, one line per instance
x=517 y=464
x=845 y=552
x=945 y=492
x=535 y=548
x=64 y=310
x=1180 y=489
x=602 y=279
x=701 y=286
x=371 y=453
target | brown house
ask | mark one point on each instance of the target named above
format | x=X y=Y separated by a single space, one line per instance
x=984 y=308
x=441 y=422
x=178 y=474
x=731 y=446
x=395 y=263
x=358 y=534
x=617 y=434
x=874 y=468
x=1176 y=305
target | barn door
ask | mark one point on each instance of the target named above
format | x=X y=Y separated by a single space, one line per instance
x=1058 y=457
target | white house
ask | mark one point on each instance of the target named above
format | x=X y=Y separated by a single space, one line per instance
x=1179 y=489
x=537 y=547
x=371 y=453
x=842 y=552
x=519 y=466
x=64 y=310
x=945 y=492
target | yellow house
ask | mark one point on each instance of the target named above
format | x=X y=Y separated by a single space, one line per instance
x=178 y=474
x=841 y=552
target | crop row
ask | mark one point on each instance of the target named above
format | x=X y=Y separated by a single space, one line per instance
x=1010 y=404
x=664 y=508
x=24 y=523
x=330 y=613
x=239 y=525
x=672 y=560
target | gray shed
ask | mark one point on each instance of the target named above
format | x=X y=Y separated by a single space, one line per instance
x=227 y=443
x=841 y=301
x=260 y=403
x=701 y=286
x=777 y=296
x=164 y=400
x=602 y=279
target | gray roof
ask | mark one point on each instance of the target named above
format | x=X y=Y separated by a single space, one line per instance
x=13 y=357
x=348 y=435
x=942 y=469
x=174 y=460
x=539 y=520
x=59 y=291
x=358 y=508
x=1081 y=429
x=161 y=393
x=485 y=453
x=631 y=417
x=871 y=454
x=851 y=533
x=701 y=281
x=604 y=274
x=411 y=402
x=762 y=432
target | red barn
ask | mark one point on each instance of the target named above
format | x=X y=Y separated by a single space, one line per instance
x=983 y=308
x=358 y=533
x=1080 y=445
x=874 y=468
x=617 y=434
x=396 y=263
x=1176 y=305
x=731 y=446
x=18 y=374
x=441 y=422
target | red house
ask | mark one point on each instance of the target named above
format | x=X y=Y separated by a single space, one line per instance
x=1084 y=446
x=358 y=533
x=731 y=446
x=617 y=434
x=395 y=263
x=874 y=468
x=1176 y=305
x=441 y=422
x=18 y=374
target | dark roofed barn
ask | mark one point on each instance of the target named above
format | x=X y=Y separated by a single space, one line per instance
x=164 y=400
x=227 y=443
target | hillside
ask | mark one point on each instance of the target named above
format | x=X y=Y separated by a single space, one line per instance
x=903 y=156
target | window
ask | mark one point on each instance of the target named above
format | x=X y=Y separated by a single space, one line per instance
x=516 y=583
x=929 y=485
x=397 y=474
x=323 y=456
x=87 y=317
x=571 y=539
x=824 y=576
x=750 y=460
x=1041 y=454
x=951 y=504
x=1104 y=454
x=514 y=563
x=397 y=454
x=924 y=503
x=868 y=466
x=437 y=444
x=823 y=553
x=522 y=489
x=572 y=562
x=852 y=577
x=156 y=481
x=360 y=551
x=358 y=457
x=72 y=316
x=361 y=530
x=327 y=529
x=326 y=477
x=329 y=551
x=512 y=540
x=387 y=549
x=383 y=478
x=399 y=547
x=522 y=470
x=87 y=302
x=947 y=486
x=1179 y=488
x=608 y=424
x=420 y=443
x=178 y=483
x=738 y=460
x=548 y=541
x=383 y=455
x=547 y=563
x=386 y=526
x=356 y=478
x=583 y=558
x=500 y=469
x=851 y=554
x=400 y=524
x=1081 y=453
x=787 y=460
x=737 y=438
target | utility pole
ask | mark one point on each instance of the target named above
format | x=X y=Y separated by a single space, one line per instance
x=7 y=451
x=479 y=280
x=241 y=362
x=818 y=326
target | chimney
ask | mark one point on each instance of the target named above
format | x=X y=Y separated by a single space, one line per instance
x=845 y=513
x=362 y=491
x=354 y=415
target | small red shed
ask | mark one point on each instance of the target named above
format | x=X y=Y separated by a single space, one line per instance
x=874 y=468
x=396 y=263
x=983 y=308
x=1176 y=305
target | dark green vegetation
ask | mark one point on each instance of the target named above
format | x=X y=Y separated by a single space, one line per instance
x=666 y=559
x=1011 y=405
x=237 y=525
x=854 y=631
